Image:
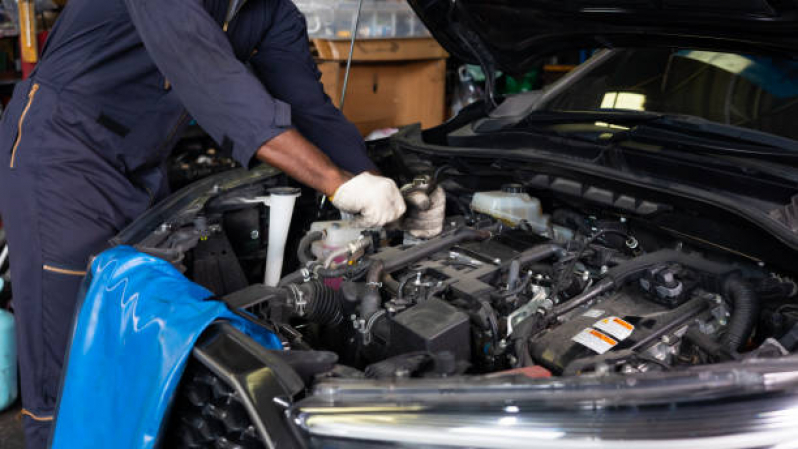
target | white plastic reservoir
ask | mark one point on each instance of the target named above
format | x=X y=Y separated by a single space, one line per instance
x=337 y=234
x=512 y=205
x=281 y=208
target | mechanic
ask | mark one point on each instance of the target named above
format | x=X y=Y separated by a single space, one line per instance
x=84 y=142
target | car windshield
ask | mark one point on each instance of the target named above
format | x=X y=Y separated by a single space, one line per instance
x=755 y=92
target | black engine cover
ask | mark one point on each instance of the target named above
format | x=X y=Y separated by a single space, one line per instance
x=556 y=347
x=432 y=326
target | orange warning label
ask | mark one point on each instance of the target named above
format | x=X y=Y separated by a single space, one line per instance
x=595 y=340
x=603 y=337
x=616 y=327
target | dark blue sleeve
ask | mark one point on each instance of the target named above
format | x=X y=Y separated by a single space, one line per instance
x=217 y=89
x=284 y=64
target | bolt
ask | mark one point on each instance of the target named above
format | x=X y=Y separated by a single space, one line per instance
x=623 y=219
x=254 y=234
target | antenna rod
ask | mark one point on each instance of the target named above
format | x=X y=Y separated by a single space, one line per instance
x=351 y=53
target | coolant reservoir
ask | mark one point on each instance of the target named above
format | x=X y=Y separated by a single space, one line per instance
x=338 y=234
x=512 y=205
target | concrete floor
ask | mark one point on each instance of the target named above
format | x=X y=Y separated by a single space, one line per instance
x=11 y=429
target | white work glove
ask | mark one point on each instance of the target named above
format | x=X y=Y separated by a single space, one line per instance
x=375 y=199
x=425 y=213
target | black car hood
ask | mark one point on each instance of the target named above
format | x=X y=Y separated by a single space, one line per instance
x=511 y=35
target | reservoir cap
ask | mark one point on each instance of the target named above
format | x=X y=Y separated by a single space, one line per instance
x=512 y=188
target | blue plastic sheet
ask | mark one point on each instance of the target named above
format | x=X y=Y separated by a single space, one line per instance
x=134 y=332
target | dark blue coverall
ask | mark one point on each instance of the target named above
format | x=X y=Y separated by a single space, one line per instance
x=83 y=141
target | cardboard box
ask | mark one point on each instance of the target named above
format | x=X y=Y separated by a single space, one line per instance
x=393 y=82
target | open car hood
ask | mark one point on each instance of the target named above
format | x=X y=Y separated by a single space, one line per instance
x=510 y=35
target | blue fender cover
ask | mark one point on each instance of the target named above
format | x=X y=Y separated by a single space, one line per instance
x=133 y=334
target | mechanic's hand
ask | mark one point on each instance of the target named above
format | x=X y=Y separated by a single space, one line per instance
x=425 y=213
x=375 y=199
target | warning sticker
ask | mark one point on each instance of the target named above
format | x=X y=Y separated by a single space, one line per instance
x=595 y=340
x=616 y=327
x=593 y=313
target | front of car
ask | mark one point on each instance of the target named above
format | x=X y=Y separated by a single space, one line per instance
x=616 y=266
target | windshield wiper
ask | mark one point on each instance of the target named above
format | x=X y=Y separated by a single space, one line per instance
x=546 y=118
x=710 y=137
x=697 y=133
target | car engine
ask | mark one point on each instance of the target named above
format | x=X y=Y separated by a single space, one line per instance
x=506 y=289
x=518 y=283
x=486 y=298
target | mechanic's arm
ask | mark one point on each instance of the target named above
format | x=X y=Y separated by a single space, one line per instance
x=376 y=199
x=284 y=64
x=233 y=106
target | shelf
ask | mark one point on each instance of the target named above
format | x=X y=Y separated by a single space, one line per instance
x=373 y=50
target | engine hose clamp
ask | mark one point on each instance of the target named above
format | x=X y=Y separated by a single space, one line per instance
x=366 y=331
x=299 y=299
x=307 y=276
x=374 y=284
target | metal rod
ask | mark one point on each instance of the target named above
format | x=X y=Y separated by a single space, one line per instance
x=3 y=256
x=351 y=54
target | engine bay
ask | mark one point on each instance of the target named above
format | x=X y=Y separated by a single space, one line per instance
x=515 y=285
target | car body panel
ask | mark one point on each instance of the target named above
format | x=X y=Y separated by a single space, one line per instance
x=513 y=34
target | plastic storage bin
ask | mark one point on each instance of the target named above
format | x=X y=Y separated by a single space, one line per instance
x=379 y=19
x=8 y=360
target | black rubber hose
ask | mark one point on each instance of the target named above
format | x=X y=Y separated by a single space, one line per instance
x=540 y=252
x=710 y=346
x=324 y=304
x=433 y=246
x=635 y=268
x=292 y=278
x=352 y=272
x=302 y=252
x=371 y=301
x=744 y=314
x=599 y=289
x=673 y=320
x=570 y=268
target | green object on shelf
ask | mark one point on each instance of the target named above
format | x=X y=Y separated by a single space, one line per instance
x=526 y=83
x=477 y=74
